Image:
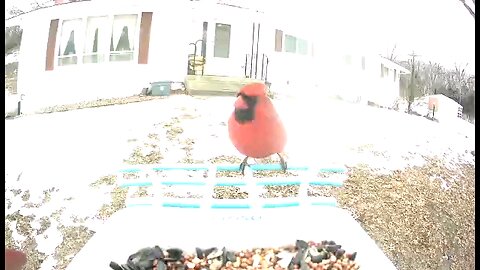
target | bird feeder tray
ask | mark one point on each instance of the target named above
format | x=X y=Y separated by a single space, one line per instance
x=236 y=224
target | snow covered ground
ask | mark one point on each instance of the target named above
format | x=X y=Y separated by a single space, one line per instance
x=63 y=153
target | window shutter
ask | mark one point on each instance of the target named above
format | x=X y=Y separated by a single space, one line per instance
x=52 y=38
x=145 y=26
x=278 y=40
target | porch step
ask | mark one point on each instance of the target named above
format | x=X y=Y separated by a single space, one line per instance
x=209 y=85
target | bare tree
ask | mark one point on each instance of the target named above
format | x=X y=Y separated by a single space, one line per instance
x=413 y=76
x=470 y=10
x=391 y=55
x=13 y=38
x=15 y=11
x=430 y=77
x=460 y=80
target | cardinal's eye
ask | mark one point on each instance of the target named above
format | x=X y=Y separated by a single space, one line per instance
x=251 y=101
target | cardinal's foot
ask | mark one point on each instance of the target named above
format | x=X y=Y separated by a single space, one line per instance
x=283 y=163
x=243 y=165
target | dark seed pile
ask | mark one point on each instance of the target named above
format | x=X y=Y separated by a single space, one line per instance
x=303 y=255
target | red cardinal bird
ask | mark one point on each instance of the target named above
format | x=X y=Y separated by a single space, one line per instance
x=14 y=259
x=254 y=126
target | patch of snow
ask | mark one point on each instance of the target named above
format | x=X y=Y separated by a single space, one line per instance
x=49 y=263
x=11 y=58
x=15 y=235
x=16 y=204
x=48 y=241
x=36 y=225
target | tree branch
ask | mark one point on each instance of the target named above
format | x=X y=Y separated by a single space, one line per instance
x=392 y=56
x=469 y=8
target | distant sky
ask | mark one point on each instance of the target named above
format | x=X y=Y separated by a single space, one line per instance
x=438 y=30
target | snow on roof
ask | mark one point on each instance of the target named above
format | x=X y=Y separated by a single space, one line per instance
x=390 y=64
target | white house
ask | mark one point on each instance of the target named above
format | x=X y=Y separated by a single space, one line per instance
x=80 y=51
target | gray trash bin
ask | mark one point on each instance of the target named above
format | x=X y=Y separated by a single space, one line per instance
x=162 y=88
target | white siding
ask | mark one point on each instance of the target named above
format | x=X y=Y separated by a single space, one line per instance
x=64 y=84
x=175 y=24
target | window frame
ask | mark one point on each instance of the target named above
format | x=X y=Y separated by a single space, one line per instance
x=105 y=54
x=83 y=29
x=229 y=52
x=59 y=41
x=136 y=41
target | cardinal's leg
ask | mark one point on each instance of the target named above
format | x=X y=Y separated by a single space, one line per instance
x=243 y=165
x=283 y=163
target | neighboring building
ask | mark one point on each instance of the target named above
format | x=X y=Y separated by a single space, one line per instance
x=385 y=79
x=367 y=77
x=80 y=51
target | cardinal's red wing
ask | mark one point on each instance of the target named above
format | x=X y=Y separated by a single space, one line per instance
x=266 y=110
x=272 y=124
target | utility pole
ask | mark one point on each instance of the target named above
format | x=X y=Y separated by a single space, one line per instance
x=411 y=96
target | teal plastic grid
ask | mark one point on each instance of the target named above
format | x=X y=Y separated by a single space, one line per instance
x=307 y=177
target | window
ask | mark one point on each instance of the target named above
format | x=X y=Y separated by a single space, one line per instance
x=221 y=48
x=384 y=71
x=363 y=63
x=290 y=44
x=70 y=40
x=278 y=40
x=348 y=59
x=302 y=46
x=122 y=41
x=96 y=40
x=395 y=75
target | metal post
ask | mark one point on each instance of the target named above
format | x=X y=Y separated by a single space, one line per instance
x=251 y=56
x=256 y=53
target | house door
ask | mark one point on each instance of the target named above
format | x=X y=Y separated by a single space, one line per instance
x=228 y=44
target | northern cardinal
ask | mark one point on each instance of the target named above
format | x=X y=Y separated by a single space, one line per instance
x=14 y=259
x=254 y=127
